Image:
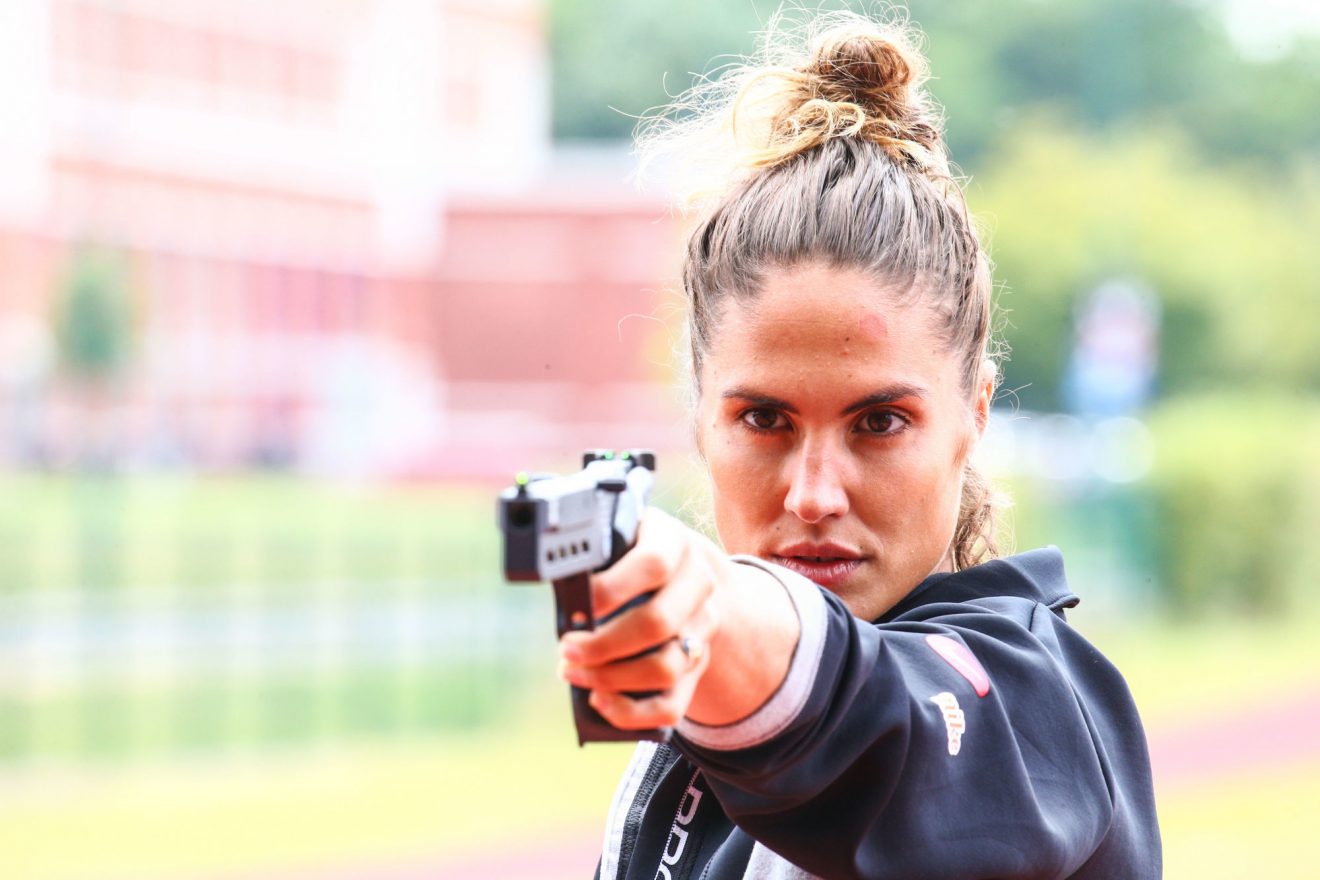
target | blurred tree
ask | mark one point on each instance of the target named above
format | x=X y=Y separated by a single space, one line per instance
x=1100 y=62
x=93 y=326
x=93 y=317
x=1236 y=486
x=1121 y=62
x=1228 y=252
x=613 y=61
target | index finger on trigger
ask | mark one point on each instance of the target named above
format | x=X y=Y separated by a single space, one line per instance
x=659 y=553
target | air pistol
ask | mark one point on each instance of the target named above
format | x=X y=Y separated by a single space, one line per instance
x=563 y=528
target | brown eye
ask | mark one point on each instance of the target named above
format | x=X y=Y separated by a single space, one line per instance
x=762 y=419
x=882 y=422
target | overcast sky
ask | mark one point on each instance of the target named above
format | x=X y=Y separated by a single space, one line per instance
x=1266 y=28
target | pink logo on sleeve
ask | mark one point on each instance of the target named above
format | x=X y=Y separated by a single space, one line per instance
x=961 y=659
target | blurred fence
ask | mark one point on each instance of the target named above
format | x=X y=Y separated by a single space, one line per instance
x=136 y=624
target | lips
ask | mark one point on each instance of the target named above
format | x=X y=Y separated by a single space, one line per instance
x=830 y=565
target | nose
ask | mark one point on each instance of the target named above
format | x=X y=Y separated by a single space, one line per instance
x=817 y=489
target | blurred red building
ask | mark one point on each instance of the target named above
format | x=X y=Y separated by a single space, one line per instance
x=344 y=239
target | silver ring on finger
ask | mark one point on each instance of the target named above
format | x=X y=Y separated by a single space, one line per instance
x=692 y=647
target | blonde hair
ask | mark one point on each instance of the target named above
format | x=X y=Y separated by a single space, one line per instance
x=827 y=147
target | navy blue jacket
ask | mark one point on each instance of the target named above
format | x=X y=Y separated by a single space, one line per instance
x=968 y=733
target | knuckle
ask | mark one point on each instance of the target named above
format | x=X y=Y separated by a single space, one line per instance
x=667 y=669
x=594 y=653
x=653 y=567
x=667 y=712
x=671 y=609
x=710 y=581
x=603 y=701
x=627 y=717
x=603 y=586
x=609 y=600
x=706 y=616
x=599 y=678
x=653 y=626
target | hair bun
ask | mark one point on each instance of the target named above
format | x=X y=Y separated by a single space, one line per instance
x=865 y=79
x=868 y=70
x=816 y=77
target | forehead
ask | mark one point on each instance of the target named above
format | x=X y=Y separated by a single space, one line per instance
x=813 y=322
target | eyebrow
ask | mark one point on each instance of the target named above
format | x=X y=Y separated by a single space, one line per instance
x=888 y=395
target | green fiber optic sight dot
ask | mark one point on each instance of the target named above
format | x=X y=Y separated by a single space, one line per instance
x=522 y=479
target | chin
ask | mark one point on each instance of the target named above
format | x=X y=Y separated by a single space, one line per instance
x=870 y=597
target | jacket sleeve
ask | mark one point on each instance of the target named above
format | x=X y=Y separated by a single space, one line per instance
x=889 y=753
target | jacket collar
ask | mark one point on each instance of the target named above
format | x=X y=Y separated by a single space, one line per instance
x=1036 y=575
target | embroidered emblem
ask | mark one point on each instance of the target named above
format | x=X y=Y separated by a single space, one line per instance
x=961 y=659
x=955 y=722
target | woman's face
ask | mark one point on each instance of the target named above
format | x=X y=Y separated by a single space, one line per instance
x=836 y=431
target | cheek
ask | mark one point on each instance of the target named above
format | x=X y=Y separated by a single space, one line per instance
x=920 y=490
x=729 y=463
x=742 y=487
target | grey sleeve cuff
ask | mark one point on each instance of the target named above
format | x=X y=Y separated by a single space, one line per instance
x=786 y=702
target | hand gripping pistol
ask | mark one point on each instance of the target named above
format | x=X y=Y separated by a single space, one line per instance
x=562 y=528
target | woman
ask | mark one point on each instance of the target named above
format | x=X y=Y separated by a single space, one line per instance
x=861 y=689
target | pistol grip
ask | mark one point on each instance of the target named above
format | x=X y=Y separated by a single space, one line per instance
x=573 y=612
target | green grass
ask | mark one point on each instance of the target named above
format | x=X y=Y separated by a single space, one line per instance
x=112 y=722
x=395 y=802
x=159 y=549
